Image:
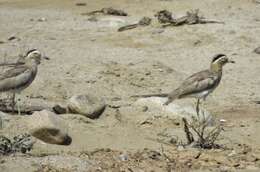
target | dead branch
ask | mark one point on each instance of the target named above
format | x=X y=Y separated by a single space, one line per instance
x=189 y=135
x=145 y=21
x=107 y=11
x=191 y=17
x=29 y=109
x=128 y=27
x=205 y=138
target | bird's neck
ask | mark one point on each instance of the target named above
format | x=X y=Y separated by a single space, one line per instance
x=31 y=63
x=216 y=68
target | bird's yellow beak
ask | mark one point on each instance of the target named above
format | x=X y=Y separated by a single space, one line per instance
x=46 y=57
x=231 y=61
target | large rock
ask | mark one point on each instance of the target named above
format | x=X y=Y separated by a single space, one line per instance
x=49 y=127
x=174 y=110
x=87 y=105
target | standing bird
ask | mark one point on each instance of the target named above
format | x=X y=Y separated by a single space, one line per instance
x=198 y=85
x=21 y=75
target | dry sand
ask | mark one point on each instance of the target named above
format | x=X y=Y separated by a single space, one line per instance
x=89 y=56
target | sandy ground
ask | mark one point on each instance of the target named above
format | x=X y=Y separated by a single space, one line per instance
x=89 y=56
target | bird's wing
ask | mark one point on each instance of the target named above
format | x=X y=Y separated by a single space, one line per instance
x=11 y=64
x=13 y=72
x=204 y=80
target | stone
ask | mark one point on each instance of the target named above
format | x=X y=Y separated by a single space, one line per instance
x=87 y=105
x=123 y=157
x=112 y=22
x=173 y=110
x=49 y=127
x=257 y=50
x=4 y=119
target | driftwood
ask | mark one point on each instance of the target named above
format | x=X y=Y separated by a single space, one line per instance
x=29 y=109
x=107 y=11
x=145 y=21
x=191 y=17
x=164 y=16
x=189 y=134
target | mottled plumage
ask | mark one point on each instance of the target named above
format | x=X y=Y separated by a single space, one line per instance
x=17 y=78
x=21 y=74
x=198 y=85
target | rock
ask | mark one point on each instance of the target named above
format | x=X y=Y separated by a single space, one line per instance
x=58 y=109
x=123 y=157
x=48 y=127
x=257 y=50
x=87 y=105
x=13 y=38
x=42 y=19
x=4 y=119
x=112 y=21
x=155 y=105
x=81 y=4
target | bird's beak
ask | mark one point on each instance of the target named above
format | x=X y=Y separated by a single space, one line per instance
x=46 y=57
x=231 y=61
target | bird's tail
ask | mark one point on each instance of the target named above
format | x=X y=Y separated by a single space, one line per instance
x=172 y=96
x=152 y=95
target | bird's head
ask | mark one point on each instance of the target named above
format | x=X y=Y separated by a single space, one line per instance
x=35 y=56
x=219 y=60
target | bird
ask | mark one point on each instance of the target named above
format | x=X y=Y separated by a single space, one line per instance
x=198 y=85
x=21 y=74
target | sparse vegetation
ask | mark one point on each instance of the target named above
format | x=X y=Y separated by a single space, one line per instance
x=200 y=134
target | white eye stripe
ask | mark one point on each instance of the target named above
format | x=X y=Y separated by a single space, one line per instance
x=219 y=59
x=34 y=52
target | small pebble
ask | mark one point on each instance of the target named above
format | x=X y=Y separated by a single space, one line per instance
x=257 y=50
x=43 y=19
x=223 y=120
x=81 y=4
x=123 y=157
x=12 y=38
x=144 y=108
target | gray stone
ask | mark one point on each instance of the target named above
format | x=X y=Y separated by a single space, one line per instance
x=87 y=105
x=49 y=127
x=173 y=110
x=4 y=119
x=112 y=21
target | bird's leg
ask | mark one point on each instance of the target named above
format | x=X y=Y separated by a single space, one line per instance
x=198 y=108
x=18 y=107
x=13 y=101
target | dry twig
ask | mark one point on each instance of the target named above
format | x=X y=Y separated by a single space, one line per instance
x=191 y=17
x=145 y=21
x=206 y=138
x=108 y=11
